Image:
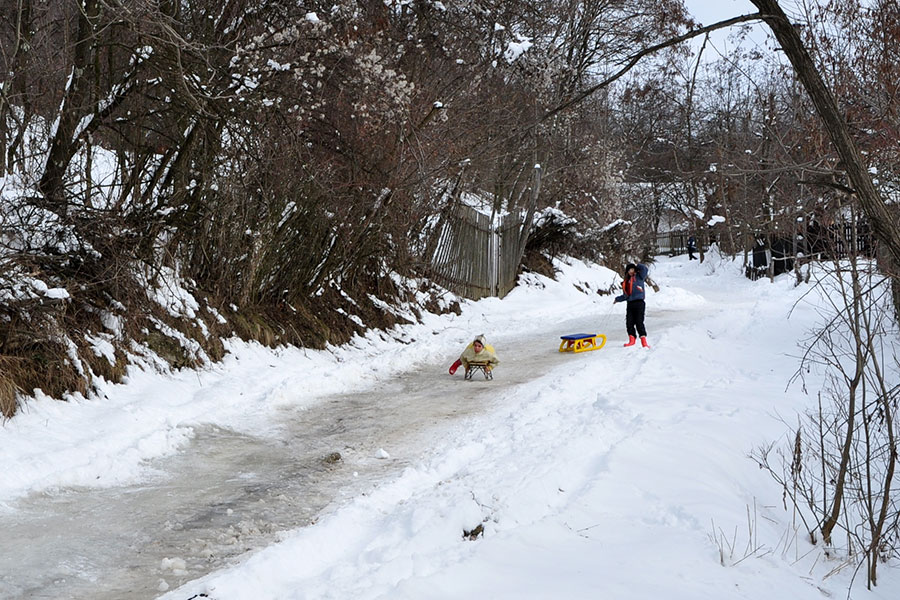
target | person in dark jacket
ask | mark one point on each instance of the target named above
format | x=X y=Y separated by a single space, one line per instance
x=633 y=287
x=691 y=247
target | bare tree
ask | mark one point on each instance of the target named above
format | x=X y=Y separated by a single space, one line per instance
x=883 y=222
x=839 y=467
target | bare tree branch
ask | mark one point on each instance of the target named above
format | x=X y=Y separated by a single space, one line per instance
x=635 y=58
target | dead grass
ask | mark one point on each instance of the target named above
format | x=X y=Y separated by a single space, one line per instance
x=209 y=338
x=47 y=367
x=290 y=325
x=536 y=262
x=8 y=390
x=44 y=366
x=30 y=359
x=252 y=324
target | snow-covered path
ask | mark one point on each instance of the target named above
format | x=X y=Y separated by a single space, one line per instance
x=606 y=474
x=228 y=491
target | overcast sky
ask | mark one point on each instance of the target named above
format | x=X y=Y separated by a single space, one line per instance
x=710 y=11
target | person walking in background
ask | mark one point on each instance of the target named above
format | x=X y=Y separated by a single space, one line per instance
x=691 y=248
x=633 y=287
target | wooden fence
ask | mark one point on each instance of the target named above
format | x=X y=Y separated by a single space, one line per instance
x=474 y=257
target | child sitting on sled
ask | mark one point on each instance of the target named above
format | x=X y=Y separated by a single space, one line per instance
x=479 y=351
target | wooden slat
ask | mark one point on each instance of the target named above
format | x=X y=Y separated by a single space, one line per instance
x=473 y=259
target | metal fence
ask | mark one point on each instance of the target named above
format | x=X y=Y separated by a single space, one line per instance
x=773 y=255
x=672 y=242
x=474 y=257
x=839 y=241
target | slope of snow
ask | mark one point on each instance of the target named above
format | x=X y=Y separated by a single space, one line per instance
x=620 y=473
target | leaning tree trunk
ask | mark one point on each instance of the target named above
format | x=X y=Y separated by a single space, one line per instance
x=888 y=264
x=884 y=225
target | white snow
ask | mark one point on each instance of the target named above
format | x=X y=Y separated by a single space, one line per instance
x=102 y=345
x=168 y=293
x=621 y=474
x=516 y=49
x=56 y=293
x=276 y=66
x=615 y=223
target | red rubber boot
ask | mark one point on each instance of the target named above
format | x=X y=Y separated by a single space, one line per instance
x=455 y=366
x=644 y=342
x=631 y=341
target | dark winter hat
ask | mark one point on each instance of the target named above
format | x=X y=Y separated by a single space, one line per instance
x=630 y=266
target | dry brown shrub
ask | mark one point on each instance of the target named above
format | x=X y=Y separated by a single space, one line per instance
x=41 y=366
x=272 y=327
x=49 y=369
x=8 y=390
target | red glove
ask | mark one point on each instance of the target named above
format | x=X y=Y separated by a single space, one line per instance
x=455 y=366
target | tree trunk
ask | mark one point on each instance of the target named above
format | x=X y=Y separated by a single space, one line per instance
x=72 y=108
x=529 y=215
x=3 y=130
x=15 y=84
x=883 y=225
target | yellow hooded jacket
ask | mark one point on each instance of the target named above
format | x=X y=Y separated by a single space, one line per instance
x=487 y=355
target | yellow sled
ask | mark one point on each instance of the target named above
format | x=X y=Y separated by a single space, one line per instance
x=581 y=342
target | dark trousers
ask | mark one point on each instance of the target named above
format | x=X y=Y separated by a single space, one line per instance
x=691 y=254
x=634 y=318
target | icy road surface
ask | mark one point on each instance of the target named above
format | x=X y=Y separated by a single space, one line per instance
x=228 y=492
